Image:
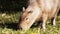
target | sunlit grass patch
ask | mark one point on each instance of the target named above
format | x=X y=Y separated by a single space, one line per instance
x=4 y=17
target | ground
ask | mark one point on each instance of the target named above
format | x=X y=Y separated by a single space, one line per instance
x=10 y=21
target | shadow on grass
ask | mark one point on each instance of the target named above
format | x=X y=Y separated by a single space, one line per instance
x=37 y=24
x=13 y=26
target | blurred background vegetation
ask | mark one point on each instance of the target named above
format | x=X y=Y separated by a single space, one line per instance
x=12 y=5
x=10 y=10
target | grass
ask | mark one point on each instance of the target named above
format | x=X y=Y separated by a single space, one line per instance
x=14 y=18
x=49 y=30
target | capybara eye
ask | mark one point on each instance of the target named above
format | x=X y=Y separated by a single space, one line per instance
x=30 y=12
x=26 y=18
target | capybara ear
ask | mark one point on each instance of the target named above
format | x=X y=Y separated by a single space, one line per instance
x=23 y=9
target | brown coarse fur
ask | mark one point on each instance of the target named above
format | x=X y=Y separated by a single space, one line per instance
x=39 y=10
